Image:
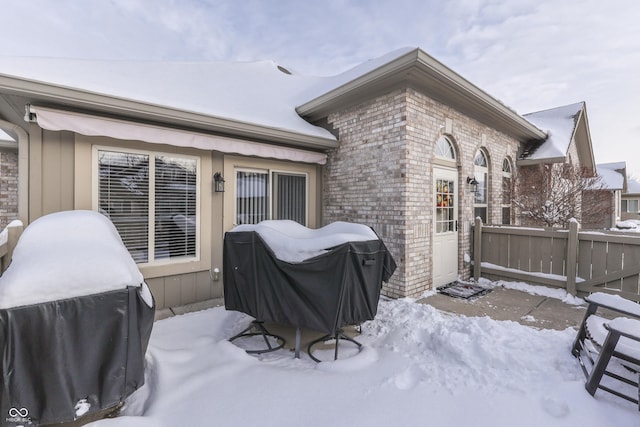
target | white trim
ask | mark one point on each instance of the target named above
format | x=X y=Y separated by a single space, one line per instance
x=58 y=120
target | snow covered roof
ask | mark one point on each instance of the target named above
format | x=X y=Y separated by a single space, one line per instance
x=262 y=93
x=255 y=99
x=560 y=124
x=612 y=175
x=633 y=186
x=64 y=255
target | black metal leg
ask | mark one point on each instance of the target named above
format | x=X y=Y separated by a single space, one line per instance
x=298 y=334
x=262 y=331
x=339 y=335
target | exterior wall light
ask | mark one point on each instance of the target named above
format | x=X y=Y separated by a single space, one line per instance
x=218 y=182
x=473 y=184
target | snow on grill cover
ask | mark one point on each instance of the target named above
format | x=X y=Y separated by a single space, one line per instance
x=75 y=321
x=324 y=279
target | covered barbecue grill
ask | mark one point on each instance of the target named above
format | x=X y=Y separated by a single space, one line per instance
x=75 y=321
x=325 y=279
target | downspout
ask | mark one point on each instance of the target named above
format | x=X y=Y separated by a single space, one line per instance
x=23 y=168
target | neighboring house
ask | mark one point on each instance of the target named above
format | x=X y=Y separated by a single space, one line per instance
x=566 y=150
x=606 y=195
x=400 y=143
x=630 y=204
x=8 y=179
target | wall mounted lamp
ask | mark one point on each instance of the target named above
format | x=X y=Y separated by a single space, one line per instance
x=473 y=184
x=218 y=182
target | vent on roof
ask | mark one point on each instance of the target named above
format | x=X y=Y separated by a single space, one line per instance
x=284 y=70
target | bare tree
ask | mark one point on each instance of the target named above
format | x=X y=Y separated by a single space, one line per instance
x=552 y=194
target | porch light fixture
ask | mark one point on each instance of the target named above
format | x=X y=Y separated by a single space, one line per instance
x=473 y=184
x=218 y=182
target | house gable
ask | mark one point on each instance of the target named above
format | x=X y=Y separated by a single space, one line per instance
x=415 y=68
x=568 y=136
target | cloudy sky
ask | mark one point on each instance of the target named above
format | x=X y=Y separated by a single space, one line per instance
x=530 y=54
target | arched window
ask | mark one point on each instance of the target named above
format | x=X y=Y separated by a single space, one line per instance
x=481 y=174
x=506 y=191
x=444 y=149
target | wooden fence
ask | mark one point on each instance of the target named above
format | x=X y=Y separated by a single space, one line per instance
x=8 y=240
x=579 y=261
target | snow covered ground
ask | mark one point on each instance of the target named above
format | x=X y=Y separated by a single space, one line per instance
x=419 y=366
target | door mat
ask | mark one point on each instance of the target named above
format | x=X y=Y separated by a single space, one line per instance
x=462 y=290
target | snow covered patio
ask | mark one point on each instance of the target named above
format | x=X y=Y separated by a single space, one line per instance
x=420 y=366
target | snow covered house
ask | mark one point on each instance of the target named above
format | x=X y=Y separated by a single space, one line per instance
x=401 y=143
x=630 y=203
x=564 y=160
x=607 y=195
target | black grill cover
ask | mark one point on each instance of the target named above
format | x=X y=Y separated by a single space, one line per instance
x=324 y=293
x=57 y=353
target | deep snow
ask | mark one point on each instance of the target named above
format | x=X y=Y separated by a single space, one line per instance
x=419 y=366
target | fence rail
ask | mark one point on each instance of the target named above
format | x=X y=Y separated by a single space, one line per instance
x=579 y=261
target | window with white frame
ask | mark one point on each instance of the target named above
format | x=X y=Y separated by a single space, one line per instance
x=268 y=194
x=506 y=191
x=630 y=205
x=444 y=149
x=481 y=173
x=152 y=199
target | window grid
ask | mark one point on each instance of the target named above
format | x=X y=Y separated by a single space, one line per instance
x=445 y=206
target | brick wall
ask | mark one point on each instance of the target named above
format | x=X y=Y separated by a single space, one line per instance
x=8 y=187
x=381 y=175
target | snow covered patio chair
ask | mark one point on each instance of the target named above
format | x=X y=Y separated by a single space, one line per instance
x=609 y=349
x=323 y=280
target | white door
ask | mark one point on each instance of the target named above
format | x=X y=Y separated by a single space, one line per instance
x=445 y=226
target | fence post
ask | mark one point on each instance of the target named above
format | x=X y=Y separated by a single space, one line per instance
x=477 y=248
x=572 y=257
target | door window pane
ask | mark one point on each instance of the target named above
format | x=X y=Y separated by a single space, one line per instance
x=290 y=197
x=252 y=197
x=258 y=198
x=445 y=206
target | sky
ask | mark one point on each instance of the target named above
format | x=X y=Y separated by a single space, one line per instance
x=530 y=54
